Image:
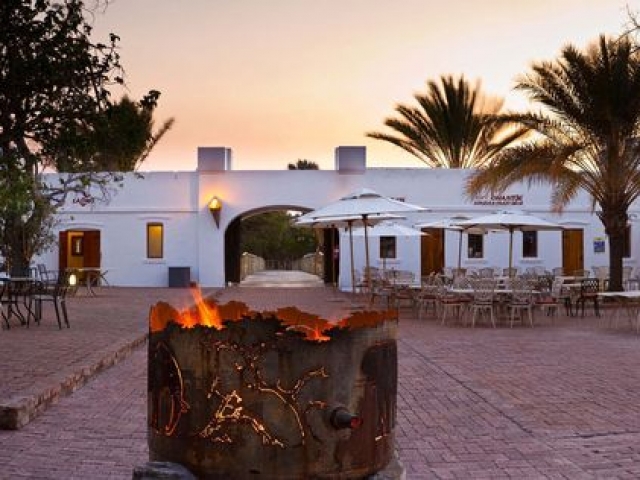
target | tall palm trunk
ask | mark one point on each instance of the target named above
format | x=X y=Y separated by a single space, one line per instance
x=615 y=224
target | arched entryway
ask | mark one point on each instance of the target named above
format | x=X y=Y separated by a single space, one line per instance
x=79 y=249
x=233 y=240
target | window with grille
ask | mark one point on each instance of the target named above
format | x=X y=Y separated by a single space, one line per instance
x=529 y=244
x=475 y=245
x=387 y=247
x=155 y=240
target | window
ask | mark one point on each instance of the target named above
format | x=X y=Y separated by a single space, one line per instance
x=626 y=249
x=529 y=244
x=476 y=245
x=155 y=234
x=387 y=247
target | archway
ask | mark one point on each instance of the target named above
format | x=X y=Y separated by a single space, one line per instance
x=79 y=248
x=234 y=239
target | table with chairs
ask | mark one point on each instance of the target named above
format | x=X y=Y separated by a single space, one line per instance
x=22 y=298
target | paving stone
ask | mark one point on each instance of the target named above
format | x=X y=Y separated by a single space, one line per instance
x=555 y=401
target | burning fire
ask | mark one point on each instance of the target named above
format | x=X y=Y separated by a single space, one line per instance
x=207 y=313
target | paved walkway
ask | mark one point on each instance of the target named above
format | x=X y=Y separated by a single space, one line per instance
x=556 y=401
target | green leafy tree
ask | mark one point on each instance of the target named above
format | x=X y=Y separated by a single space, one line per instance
x=585 y=138
x=271 y=236
x=56 y=114
x=453 y=126
x=118 y=140
x=303 y=164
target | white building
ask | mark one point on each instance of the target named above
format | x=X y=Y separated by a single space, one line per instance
x=162 y=221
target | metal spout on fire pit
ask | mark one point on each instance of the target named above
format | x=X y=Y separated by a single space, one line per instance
x=341 y=418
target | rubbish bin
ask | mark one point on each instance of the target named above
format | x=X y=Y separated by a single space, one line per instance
x=179 y=277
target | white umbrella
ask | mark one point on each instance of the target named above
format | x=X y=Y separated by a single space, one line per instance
x=340 y=222
x=364 y=204
x=510 y=221
x=389 y=229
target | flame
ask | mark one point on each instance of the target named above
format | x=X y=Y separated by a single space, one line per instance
x=208 y=314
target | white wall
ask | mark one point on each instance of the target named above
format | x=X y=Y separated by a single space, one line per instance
x=179 y=200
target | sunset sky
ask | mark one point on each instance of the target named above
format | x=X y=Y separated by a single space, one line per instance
x=279 y=80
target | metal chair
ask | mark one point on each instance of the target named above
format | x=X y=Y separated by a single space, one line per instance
x=589 y=288
x=449 y=303
x=56 y=294
x=486 y=272
x=483 y=299
x=521 y=301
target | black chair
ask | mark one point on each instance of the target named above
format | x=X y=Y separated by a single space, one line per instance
x=589 y=288
x=56 y=294
x=5 y=301
x=15 y=297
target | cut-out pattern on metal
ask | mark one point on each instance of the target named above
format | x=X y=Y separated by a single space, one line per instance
x=247 y=360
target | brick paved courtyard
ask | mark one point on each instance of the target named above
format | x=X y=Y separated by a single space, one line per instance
x=561 y=400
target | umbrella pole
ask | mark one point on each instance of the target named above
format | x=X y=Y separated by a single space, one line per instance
x=510 y=251
x=366 y=250
x=460 y=251
x=353 y=268
x=333 y=259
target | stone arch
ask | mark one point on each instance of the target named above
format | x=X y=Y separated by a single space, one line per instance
x=232 y=241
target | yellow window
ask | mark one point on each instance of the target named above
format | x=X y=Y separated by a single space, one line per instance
x=155 y=237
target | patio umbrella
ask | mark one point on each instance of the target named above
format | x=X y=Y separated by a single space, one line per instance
x=511 y=222
x=389 y=229
x=345 y=221
x=363 y=204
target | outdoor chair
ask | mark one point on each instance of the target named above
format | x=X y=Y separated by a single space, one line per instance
x=483 y=299
x=428 y=295
x=521 y=301
x=589 y=288
x=458 y=272
x=44 y=275
x=398 y=287
x=449 y=303
x=510 y=272
x=56 y=294
x=551 y=296
x=15 y=299
x=486 y=272
x=626 y=277
x=4 y=300
x=581 y=273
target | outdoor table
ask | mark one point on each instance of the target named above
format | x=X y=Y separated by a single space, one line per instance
x=629 y=301
x=92 y=275
x=571 y=285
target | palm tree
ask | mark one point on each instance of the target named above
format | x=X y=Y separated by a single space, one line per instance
x=453 y=126
x=303 y=164
x=587 y=141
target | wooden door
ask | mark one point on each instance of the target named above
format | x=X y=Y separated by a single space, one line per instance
x=572 y=250
x=432 y=251
x=63 y=246
x=91 y=254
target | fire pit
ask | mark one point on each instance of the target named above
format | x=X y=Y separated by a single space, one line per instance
x=277 y=395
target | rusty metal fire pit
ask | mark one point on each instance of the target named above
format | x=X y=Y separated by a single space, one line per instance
x=275 y=395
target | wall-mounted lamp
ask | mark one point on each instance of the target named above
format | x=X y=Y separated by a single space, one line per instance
x=215 y=206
